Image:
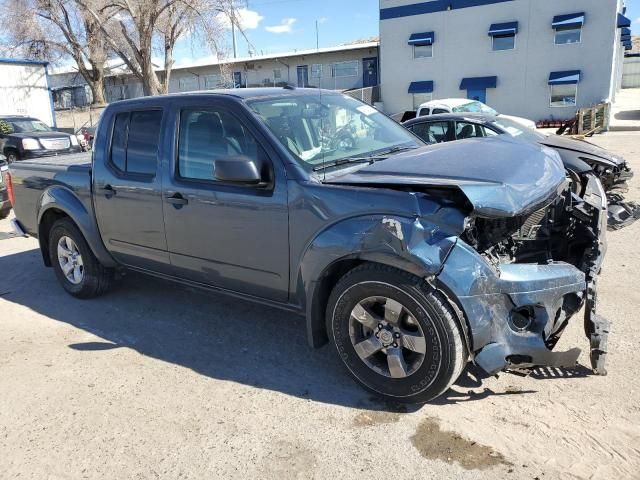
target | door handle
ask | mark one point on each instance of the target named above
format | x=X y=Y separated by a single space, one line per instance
x=177 y=200
x=108 y=190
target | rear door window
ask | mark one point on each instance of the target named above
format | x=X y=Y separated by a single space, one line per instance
x=439 y=110
x=432 y=132
x=135 y=141
x=468 y=130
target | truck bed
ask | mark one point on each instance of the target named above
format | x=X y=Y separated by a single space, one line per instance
x=31 y=177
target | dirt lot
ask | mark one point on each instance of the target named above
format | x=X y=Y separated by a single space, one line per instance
x=155 y=380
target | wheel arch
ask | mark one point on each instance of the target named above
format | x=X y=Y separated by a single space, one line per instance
x=407 y=244
x=60 y=202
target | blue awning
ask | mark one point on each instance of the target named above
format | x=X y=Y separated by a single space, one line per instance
x=626 y=31
x=570 y=20
x=498 y=29
x=623 y=22
x=421 y=87
x=564 y=78
x=625 y=37
x=627 y=43
x=628 y=47
x=426 y=38
x=478 y=83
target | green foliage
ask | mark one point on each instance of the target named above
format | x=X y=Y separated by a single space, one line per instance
x=5 y=127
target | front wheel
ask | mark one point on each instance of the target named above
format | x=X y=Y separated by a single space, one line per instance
x=75 y=265
x=396 y=335
x=12 y=156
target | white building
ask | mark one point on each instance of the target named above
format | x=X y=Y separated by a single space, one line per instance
x=25 y=89
x=539 y=59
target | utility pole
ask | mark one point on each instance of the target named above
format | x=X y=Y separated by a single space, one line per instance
x=233 y=30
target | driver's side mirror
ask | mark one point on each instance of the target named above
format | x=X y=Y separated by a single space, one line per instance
x=237 y=169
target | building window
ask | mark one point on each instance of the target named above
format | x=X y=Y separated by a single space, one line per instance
x=188 y=84
x=316 y=70
x=422 y=51
x=212 y=81
x=504 y=42
x=345 y=69
x=567 y=35
x=420 y=98
x=564 y=95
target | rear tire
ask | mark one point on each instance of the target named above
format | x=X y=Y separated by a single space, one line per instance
x=4 y=213
x=78 y=270
x=395 y=334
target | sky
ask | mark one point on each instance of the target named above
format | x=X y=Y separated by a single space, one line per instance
x=274 y=26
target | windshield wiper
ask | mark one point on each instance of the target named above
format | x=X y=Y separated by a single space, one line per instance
x=370 y=159
x=345 y=161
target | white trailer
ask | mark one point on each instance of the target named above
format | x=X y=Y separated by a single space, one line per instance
x=24 y=90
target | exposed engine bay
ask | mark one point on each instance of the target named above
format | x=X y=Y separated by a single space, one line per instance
x=571 y=229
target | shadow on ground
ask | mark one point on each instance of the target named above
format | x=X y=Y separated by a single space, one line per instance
x=214 y=335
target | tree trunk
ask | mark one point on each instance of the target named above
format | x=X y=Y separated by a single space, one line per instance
x=97 y=91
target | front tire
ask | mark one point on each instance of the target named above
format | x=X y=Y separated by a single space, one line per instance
x=12 y=156
x=395 y=334
x=76 y=267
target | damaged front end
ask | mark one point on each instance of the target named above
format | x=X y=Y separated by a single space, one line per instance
x=621 y=212
x=540 y=268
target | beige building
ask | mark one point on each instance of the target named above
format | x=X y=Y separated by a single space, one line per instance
x=344 y=67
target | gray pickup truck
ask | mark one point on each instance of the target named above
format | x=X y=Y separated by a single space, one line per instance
x=410 y=259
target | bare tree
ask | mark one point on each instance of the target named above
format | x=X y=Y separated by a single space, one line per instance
x=57 y=29
x=140 y=28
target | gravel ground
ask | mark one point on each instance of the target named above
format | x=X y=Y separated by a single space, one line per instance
x=155 y=380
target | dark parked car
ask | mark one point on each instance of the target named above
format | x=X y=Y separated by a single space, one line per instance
x=5 y=204
x=409 y=259
x=579 y=156
x=27 y=137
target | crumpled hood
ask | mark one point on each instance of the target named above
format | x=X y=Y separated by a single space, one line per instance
x=582 y=146
x=500 y=176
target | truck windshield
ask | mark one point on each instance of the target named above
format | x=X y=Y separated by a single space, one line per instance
x=28 y=125
x=329 y=128
x=474 y=107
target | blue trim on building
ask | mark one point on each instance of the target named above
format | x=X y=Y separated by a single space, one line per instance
x=53 y=110
x=421 y=87
x=478 y=83
x=426 y=38
x=623 y=22
x=500 y=29
x=432 y=7
x=565 y=78
x=569 y=20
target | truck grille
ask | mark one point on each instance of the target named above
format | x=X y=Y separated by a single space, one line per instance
x=55 y=143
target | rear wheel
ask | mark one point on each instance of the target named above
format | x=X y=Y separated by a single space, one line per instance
x=75 y=265
x=4 y=213
x=396 y=335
